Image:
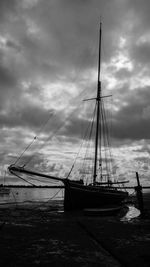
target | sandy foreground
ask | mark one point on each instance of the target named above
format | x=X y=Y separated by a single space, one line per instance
x=41 y=234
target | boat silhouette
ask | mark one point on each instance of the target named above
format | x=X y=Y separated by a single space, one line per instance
x=102 y=191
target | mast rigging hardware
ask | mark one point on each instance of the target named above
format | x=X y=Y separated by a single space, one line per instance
x=95 y=98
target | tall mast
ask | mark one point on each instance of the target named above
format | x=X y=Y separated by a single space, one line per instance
x=98 y=99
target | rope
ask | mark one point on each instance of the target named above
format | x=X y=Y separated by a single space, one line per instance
x=36 y=179
x=90 y=137
x=83 y=140
x=105 y=134
x=25 y=150
x=55 y=132
x=22 y=178
x=55 y=194
x=54 y=113
x=34 y=138
x=14 y=198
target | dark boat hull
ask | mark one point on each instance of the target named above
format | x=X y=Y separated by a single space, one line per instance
x=79 y=196
x=107 y=211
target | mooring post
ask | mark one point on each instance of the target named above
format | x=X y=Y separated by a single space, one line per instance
x=139 y=195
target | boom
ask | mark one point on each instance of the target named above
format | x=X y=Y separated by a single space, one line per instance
x=13 y=169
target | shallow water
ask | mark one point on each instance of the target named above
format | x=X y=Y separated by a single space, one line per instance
x=18 y=195
x=132 y=213
x=22 y=195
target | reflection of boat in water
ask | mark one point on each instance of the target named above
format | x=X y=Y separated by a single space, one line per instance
x=103 y=190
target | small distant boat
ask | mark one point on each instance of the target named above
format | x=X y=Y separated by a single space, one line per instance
x=102 y=189
x=4 y=190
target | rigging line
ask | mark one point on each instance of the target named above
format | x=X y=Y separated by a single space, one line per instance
x=111 y=131
x=45 y=202
x=24 y=151
x=34 y=138
x=46 y=121
x=107 y=136
x=90 y=135
x=83 y=140
x=22 y=178
x=105 y=139
x=55 y=194
x=91 y=128
x=57 y=129
x=32 y=178
x=100 y=139
x=108 y=143
x=43 y=128
x=14 y=198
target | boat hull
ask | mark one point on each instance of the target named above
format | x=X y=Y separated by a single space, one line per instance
x=107 y=211
x=79 y=196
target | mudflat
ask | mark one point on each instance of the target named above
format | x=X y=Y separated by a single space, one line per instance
x=41 y=234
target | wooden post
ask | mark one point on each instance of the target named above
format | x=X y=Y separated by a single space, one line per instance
x=139 y=195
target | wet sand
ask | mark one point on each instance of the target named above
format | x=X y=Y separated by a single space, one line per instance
x=41 y=234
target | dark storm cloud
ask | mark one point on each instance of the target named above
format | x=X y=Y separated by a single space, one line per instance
x=7 y=78
x=133 y=120
x=123 y=73
x=72 y=40
x=29 y=116
x=131 y=130
x=64 y=44
x=8 y=85
x=141 y=10
x=137 y=28
x=74 y=128
x=13 y=45
x=7 y=7
x=130 y=122
x=141 y=53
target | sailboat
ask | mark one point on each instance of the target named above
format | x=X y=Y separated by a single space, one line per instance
x=101 y=191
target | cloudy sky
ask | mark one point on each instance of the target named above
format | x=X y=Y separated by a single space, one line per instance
x=48 y=65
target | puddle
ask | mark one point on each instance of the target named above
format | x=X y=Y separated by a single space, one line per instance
x=131 y=214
